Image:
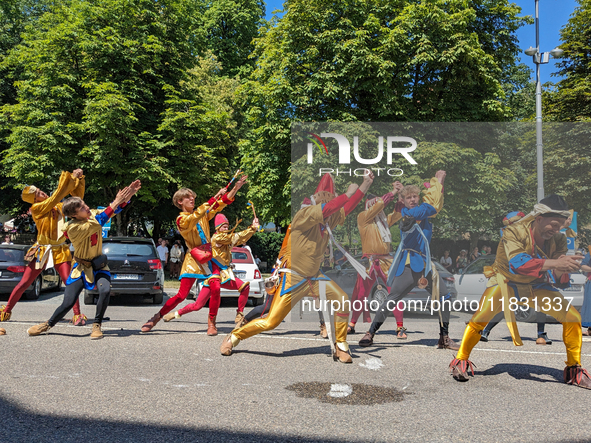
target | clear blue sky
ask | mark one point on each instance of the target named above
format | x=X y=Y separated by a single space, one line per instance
x=553 y=15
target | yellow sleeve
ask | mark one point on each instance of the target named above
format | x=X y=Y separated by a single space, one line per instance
x=394 y=218
x=372 y=212
x=189 y=221
x=78 y=191
x=242 y=237
x=222 y=238
x=66 y=184
x=434 y=195
x=513 y=244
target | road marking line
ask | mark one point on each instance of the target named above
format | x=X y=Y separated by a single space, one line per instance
x=65 y=326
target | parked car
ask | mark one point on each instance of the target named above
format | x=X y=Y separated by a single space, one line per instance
x=12 y=268
x=135 y=269
x=245 y=269
x=347 y=276
x=471 y=284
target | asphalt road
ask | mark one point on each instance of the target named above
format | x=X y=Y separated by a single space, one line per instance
x=173 y=385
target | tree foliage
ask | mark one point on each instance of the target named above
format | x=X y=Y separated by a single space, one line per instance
x=387 y=60
x=118 y=87
x=571 y=100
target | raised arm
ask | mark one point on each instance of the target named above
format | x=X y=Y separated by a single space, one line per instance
x=78 y=191
x=66 y=184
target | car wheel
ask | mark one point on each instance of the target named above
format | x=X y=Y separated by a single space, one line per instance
x=34 y=293
x=158 y=298
x=377 y=297
x=526 y=316
x=88 y=298
x=257 y=301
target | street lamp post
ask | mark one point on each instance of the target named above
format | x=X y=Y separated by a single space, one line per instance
x=540 y=58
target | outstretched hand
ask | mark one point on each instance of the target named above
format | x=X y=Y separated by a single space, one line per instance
x=126 y=193
x=237 y=186
x=440 y=176
x=220 y=193
x=255 y=223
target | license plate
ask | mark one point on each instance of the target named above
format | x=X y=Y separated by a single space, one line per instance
x=240 y=274
x=126 y=276
x=576 y=288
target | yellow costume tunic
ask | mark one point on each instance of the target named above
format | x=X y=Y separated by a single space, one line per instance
x=517 y=251
x=86 y=237
x=221 y=249
x=307 y=243
x=192 y=226
x=48 y=217
x=372 y=244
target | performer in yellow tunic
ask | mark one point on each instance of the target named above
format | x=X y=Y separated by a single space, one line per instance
x=529 y=265
x=310 y=233
x=50 y=249
x=374 y=230
x=193 y=225
x=90 y=265
x=222 y=276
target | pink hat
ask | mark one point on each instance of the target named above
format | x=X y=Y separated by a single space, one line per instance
x=219 y=220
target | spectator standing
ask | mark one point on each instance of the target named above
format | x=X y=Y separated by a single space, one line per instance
x=163 y=253
x=7 y=240
x=462 y=260
x=446 y=261
x=475 y=254
x=176 y=258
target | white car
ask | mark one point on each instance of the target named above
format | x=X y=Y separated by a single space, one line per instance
x=471 y=284
x=245 y=269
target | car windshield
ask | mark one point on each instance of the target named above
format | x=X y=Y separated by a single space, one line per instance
x=477 y=267
x=129 y=249
x=11 y=255
x=239 y=256
x=242 y=255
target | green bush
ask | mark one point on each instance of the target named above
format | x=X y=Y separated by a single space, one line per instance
x=266 y=246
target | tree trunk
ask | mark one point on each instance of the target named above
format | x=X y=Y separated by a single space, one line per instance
x=473 y=243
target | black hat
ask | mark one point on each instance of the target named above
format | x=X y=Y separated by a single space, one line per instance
x=556 y=202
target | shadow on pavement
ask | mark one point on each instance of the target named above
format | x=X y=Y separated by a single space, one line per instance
x=525 y=372
x=20 y=425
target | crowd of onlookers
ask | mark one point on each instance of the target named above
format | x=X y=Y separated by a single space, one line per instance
x=463 y=259
x=171 y=257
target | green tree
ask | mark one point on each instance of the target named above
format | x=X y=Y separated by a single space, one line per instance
x=231 y=26
x=102 y=89
x=14 y=16
x=571 y=100
x=383 y=60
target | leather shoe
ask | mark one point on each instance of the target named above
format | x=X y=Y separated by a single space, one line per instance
x=367 y=340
